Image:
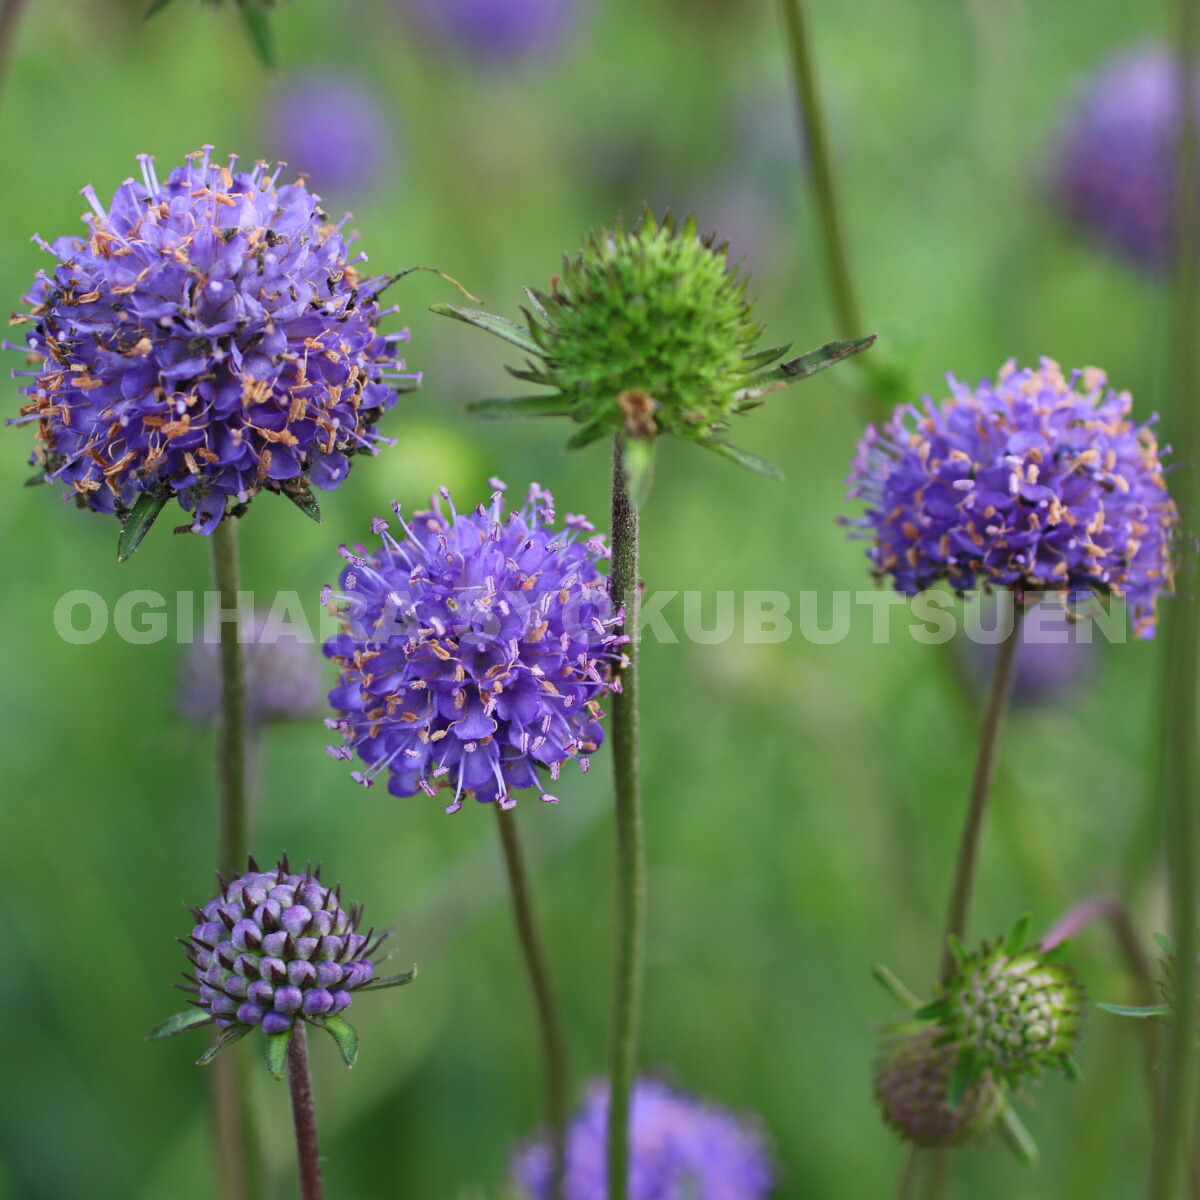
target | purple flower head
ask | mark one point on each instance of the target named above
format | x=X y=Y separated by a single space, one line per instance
x=333 y=129
x=1037 y=482
x=680 y=1149
x=499 y=29
x=1115 y=163
x=283 y=675
x=474 y=651
x=211 y=337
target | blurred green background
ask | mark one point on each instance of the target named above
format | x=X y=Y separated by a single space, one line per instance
x=802 y=800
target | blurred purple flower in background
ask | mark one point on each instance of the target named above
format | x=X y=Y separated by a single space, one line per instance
x=336 y=130
x=681 y=1148
x=1114 y=171
x=284 y=675
x=499 y=29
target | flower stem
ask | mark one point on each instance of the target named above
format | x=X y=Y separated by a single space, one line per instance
x=554 y=1050
x=981 y=790
x=812 y=121
x=910 y=1173
x=231 y=744
x=1181 y=768
x=10 y=18
x=239 y=1169
x=303 y=1114
x=631 y=864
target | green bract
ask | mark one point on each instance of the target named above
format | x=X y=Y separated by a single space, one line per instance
x=647 y=332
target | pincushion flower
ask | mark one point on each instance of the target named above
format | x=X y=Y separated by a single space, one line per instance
x=647 y=332
x=475 y=650
x=681 y=1148
x=211 y=337
x=273 y=948
x=1037 y=482
x=1116 y=161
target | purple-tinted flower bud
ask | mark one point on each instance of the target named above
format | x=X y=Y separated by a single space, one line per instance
x=276 y=1022
x=306 y=947
x=274 y=944
x=356 y=973
x=331 y=947
x=249 y=1014
x=340 y=1001
x=273 y=969
x=322 y=923
x=222 y=1006
x=329 y=974
x=209 y=934
x=301 y=973
x=261 y=992
x=288 y=999
x=267 y=915
x=313 y=896
x=295 y=919
x=235 y=986
x=316 y=1002
x=247 y=935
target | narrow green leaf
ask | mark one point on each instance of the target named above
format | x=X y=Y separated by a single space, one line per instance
x=764 y=358
x=143 y=514
x=305 y=501
x=156 y=7
x=258 y=26
x=1070 y=1068
x=344 y=1035
x=277 y=1049
x=389 y=981
x=1018 y=939
x=795 y=369
x=744 y=458
x=551 y=405
x=957 y=950
x=1017 y=1136
x=586 y=436
x=1140 y=1014
x=888 y=980
x=234 y=1033
x=510 y=331
x=933 y=1011
x=961 y=1077
x=639 y=469
x=1165 y=943
x=179 y=1023
x=539 y=307
x=36 y=480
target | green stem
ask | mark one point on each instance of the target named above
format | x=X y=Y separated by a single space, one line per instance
x=554 y=1049
x=910 y=1173
x=1181 y=773
x=631 y=865
x=231 y=742
x=10 y=18
x=304 y=1115
x=812 y=121
x=961 y=892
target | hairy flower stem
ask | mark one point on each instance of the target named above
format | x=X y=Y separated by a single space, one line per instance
x=235 y=1119
x=554 y=1049
x=981 y=789
x=304 y=1115
x=1181 y=767
x=631 y=862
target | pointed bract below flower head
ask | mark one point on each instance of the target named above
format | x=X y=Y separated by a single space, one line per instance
x=1037 y=482
x=912 y=1082
x=647 y=332
x=680 y=1148
x=274 y=947
x=475 y=650
x=211 y=337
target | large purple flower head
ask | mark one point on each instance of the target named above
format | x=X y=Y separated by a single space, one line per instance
x=474 y=651
x=1115 y=167
x=211 y=337
x=332 y=128
x=680 y=1149
x=499 y=29
x=1037 y=482
x=274 y=947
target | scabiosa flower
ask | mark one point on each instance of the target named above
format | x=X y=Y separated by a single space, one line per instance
x=680 y=1148
x=273 y=947
x=475 y=650
x=1116 y=167
x=912 y=1081
x=644 y=333
x=332 y=128
x=1035 y=482
x=503 y=30
x=283 y=675
x=211 y=337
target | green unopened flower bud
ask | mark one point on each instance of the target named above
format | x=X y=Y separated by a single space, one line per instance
x=648 y=332
x=912 y=1087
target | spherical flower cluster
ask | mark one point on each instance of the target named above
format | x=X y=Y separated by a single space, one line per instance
x=1014 y=1013
x=474 y=651
x=211 y=337
x=680 y=1149
x=283 y=676
x=1036 y=482
x=1115 y=164
x=912 y=1081
x=499 y=29
x=332 y=128
x=274 y=946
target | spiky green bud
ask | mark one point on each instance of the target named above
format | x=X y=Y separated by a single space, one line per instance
x=912 y=1087
x=648 y=332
